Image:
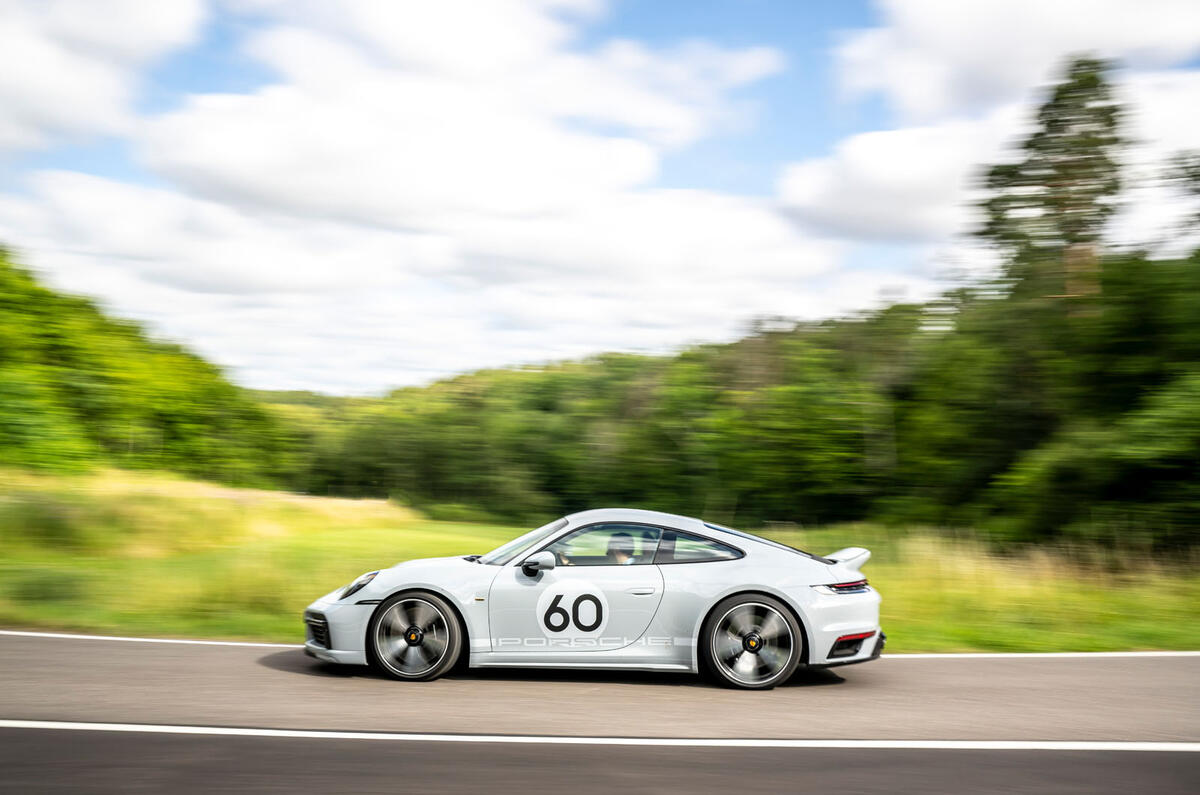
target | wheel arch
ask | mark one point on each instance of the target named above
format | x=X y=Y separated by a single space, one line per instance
x=464 y=652
x=805 y=632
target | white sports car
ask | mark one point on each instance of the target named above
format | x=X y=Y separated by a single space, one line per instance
x=610 y=588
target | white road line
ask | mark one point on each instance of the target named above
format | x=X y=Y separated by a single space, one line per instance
x=66 y=636
x=911 y=745
x=1038 y=654
x=927 y=656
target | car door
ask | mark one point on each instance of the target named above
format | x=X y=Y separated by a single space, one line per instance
x=601 y=594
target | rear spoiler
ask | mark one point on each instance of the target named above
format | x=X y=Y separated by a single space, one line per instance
x=851 y=557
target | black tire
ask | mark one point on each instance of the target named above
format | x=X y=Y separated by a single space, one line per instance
x=427 y=645
x=751 y=641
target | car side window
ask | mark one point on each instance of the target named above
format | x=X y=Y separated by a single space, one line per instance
x=677 y=546
x=609 y=544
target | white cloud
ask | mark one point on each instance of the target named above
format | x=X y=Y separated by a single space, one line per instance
x=396 y=114
x=165 y=238
x=910 y=184
x=1163 y=119
x=412 y=198
x=466 y=38
x=938 y=58
x=70 y=67
x=962 y=78
x=428 y=188
x=918 y=184
x=294 y=302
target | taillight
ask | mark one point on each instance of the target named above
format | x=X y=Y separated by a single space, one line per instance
x=857 y=586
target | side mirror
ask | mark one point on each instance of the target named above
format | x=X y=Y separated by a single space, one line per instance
x=540 y=561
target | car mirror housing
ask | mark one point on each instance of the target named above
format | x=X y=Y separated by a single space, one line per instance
x=539 y=561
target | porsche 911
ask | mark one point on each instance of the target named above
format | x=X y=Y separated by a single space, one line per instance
x=609 y=588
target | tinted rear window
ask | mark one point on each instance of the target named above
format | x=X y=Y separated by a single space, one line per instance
x=762 y=540
x=677 y=546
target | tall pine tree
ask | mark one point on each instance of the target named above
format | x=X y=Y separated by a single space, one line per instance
x=1048 y=211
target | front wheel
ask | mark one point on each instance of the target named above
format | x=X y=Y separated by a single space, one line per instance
x=414 y=636
x=752 y=642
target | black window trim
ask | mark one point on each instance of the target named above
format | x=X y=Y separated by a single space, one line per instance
x=563 y=522
x=741 y=553
x=768 y=541
x=581 y=528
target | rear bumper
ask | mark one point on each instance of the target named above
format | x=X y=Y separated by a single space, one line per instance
x=830 y=619
x=876 y=651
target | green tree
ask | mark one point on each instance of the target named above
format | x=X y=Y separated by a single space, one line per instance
x=79 y=388
x=1183 y=173
x=1049 y=208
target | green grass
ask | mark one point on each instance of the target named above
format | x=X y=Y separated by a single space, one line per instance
x=117 y=552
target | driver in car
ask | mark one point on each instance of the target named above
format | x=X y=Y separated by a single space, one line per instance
x=620 y=549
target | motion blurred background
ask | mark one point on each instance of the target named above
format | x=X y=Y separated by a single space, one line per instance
x=297 y=290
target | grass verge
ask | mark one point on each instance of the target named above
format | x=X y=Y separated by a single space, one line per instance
x=117 y=552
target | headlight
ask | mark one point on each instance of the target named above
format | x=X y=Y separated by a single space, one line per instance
x=358 y=584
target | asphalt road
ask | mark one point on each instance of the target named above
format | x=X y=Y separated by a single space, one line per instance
x=96 y=762
x=1006 y=698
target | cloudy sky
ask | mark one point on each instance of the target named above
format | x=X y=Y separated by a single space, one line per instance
x=351 y=196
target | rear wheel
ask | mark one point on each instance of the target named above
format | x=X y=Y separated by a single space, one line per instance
x=414 y=636
x=751 y=641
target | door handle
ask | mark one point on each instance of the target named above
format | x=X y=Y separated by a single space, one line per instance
x=642 y=590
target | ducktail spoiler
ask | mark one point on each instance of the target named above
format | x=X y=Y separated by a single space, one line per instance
x=851 y=557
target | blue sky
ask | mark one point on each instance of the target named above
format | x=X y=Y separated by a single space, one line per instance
x=349 y=196
x=797 y=113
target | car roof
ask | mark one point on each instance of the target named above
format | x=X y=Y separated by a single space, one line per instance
x=635 y=515
x=679 y=522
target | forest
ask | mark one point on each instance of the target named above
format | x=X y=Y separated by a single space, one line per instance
x=1056 y=400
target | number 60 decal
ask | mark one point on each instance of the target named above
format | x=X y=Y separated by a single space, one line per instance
x=573 y=609
x=556 y=618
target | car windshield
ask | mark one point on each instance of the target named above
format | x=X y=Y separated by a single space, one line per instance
x=760 y=539
x=503 y=554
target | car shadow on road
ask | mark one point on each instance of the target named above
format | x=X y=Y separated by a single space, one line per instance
x=296 y=662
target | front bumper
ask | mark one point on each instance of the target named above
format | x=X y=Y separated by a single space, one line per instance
x=334 y=655
x=335 y=631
